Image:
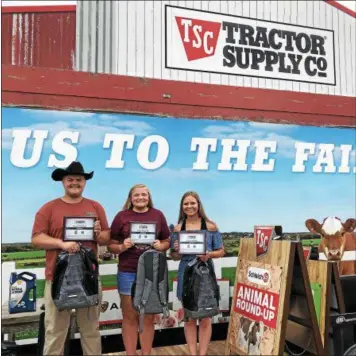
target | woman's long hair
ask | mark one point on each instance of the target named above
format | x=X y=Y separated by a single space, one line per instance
x=128 y=203
x=201 y=211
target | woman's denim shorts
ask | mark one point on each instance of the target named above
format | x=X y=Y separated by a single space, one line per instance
x=125 y=281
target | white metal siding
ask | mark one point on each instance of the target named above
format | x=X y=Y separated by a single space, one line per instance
x=127 y=38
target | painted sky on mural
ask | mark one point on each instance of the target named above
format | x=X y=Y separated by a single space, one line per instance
x=235 y=200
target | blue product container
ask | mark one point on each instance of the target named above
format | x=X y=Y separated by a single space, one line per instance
x=22 y=292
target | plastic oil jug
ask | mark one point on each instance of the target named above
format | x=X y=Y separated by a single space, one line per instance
x=22 y=296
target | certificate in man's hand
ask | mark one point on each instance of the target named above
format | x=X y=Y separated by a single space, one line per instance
x=78 y=228
x=192 y=243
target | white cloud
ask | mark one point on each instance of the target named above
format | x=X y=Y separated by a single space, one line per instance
x=54 y=127
x=271 y=126
x=92 y=132
x=6 y=138
x=181 y=173
x=56 y=114
x=248 y=131
x=264 y=131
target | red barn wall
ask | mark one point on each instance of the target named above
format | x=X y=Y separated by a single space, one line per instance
x=39 y=39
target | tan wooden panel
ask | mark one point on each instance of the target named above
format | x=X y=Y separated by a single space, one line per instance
x=320 y=272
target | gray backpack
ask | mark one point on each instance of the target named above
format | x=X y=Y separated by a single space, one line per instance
x=75 y=281
x=150 y=289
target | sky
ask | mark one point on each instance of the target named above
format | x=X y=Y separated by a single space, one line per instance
x=235 y=200
x=351 y=4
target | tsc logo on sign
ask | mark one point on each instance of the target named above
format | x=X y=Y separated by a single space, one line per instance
x=263 y=237
x=199 y=37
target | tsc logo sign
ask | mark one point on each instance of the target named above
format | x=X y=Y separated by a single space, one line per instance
x=263 y=236
x=219 y=43
x=199 y=37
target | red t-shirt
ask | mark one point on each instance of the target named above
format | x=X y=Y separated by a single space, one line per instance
x=120 y=230
x=49 y=220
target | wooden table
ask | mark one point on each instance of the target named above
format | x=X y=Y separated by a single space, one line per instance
x=14 y=323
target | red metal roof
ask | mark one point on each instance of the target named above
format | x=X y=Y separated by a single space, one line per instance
x=39 y=39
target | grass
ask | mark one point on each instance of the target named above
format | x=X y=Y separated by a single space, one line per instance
x=108 y=281
x=28 y=334
x=311 y=242
x=229 y=273
x=14 y=256
x=40 y=286
x=30 y=263
x=109 y=262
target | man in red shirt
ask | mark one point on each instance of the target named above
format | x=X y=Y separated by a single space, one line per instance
x=47 y=234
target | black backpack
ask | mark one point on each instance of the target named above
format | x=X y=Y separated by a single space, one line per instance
x=150 y=289
x=201 y=292
x=75 y=281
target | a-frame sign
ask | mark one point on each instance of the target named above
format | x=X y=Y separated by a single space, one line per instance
x=272 y=298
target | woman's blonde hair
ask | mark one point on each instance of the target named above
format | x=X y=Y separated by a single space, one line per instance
x=128 y=203
x=201 y=212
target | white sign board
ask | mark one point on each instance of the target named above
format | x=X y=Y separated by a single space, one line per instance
x=211 y=42
x=110 y=307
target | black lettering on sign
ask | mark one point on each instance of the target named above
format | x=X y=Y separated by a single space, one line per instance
x=322 y=66
x=246 y=35
x=114 y=306
x=229 y=56
x=230 y=28
x=283 y=68
x=295 y=60
x=289 y=36
x=261 y=37
x=303 y=42
x=272 y=38
x=318 y=43
x=274 y=49
x=258 y=57
x=242 y=53
x=309 y=61
x=271 y=58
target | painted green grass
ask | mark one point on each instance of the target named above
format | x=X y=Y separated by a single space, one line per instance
x=229 y=273
x=109 y=262
x=109 y=281
x=14 y=256
x=30 y=263
x=40 y=286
